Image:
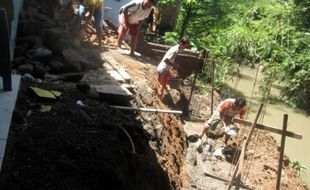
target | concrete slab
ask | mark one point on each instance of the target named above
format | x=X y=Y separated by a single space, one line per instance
x=2 y=148
x=113 y=95
x=98 y=77
x=7 y=105
x=116 y=76
x=112 y=89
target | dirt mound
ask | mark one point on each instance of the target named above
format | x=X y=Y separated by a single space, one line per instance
x=74 y=147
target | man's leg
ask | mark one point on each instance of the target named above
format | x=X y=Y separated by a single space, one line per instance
x=98 y=15
x=133 y=31
x=122 y=29
x=133 y=44
x=212 y=123
x=160 y=87
x=167 y=80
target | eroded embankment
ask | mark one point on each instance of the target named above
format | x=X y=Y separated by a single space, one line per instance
x=167 y=134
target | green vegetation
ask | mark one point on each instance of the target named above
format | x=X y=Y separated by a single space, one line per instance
x=298 y=166
x=272 y=33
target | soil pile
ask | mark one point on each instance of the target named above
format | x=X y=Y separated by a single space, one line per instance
x=76 y=147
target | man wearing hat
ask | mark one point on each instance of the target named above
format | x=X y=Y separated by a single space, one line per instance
x=131 y=18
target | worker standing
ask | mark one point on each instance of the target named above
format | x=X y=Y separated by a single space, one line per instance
x=167 y=63
x=87 y=10
x=131 y=17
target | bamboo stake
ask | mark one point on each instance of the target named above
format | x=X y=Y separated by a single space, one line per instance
x=285 y=117
x=212 y=89
x=267 y=128
x=147 y=109
x=192 y=88
x=239 y=166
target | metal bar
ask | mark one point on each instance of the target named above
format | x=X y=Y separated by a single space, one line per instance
x=147 y=109
x=5 y=66
x=270 y=129
x=285 y=117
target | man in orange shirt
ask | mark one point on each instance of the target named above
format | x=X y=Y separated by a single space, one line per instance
x=225 y=112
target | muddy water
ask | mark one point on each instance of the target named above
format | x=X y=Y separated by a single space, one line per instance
x=298 y=121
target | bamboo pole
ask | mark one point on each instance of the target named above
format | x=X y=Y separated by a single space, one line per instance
x=239 y=165
x=212 y=89
x=192 y=89
x=285 y=117
x=147 y=109
x=267 y=128
x=253 y=89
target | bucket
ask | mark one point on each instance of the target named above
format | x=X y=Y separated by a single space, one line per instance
x=175 y=83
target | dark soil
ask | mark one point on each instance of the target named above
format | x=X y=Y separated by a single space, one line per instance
x=74 y=147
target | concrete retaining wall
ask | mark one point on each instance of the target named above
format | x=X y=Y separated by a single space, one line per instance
x=13 y=8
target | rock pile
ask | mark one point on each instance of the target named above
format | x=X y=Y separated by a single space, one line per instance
x=46 y=49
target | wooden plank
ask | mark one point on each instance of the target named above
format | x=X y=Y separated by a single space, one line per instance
x=267 y=128
x=147 y=109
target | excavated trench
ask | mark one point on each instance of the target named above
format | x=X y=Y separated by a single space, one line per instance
x=168 y=137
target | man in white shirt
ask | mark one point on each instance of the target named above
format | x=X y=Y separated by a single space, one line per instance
x=131 y=17
x=167 y=63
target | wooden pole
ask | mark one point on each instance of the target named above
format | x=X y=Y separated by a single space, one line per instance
x=285 y=117
x=267 y=128
x=147 y=109
x=253 y=89
x=212 y=89
x=239 y=165
x=192 y=89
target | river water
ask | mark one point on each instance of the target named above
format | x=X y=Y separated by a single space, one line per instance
x=298 y=121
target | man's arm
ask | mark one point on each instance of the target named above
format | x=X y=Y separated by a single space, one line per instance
x=242 y=114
